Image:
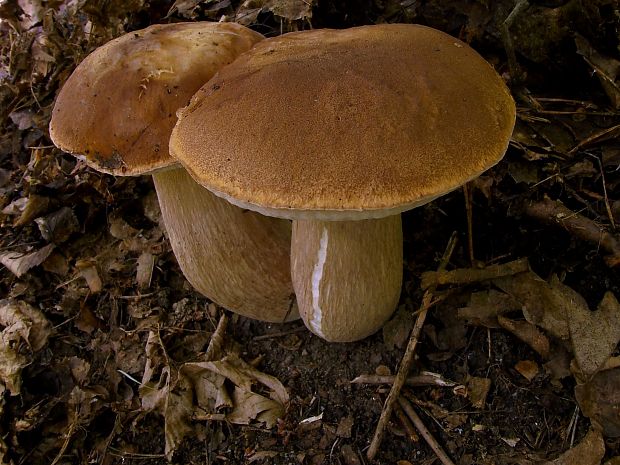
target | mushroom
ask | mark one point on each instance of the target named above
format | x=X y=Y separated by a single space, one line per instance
x=117 y=110
x=346 y=129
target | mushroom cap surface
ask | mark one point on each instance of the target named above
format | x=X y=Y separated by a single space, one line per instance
x=118 y=108
x=346 y=124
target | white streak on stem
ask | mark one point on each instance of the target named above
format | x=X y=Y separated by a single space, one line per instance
x=317 y=275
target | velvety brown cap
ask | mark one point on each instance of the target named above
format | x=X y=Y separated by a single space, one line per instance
x=119 y=106
x=346 y=124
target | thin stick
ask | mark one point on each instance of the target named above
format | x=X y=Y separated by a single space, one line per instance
x=473 y=275
x=470 y=223
x=428 y=379
x=424 y=432
x=405 y=364
x=406 y=422
x=553 y=212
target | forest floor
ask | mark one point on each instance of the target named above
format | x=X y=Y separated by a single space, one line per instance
x=103 y=341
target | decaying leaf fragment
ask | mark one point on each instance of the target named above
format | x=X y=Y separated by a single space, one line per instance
x=595 y=334
x=564 y=313
x=606 y=69
x=19 y=264
x=200 y=390
x=290 y=10
x=589 y=451
x=528 y=333
x=23 y=324
x=599 y=400
x=485 y=307
x=167 y=394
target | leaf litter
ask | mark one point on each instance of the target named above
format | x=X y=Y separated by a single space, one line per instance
x=119 y=305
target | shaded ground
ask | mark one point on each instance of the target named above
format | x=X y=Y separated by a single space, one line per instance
x=76 y=398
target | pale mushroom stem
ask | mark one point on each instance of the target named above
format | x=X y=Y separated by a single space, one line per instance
x=237 y=258
x=347 y=275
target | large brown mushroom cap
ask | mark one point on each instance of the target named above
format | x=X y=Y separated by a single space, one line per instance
x=346 y=124
x=119 y=106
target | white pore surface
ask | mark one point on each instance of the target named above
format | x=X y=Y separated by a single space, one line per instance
x=317 y=275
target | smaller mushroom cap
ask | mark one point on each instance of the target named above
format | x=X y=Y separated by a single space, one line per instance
x=118 y=108
x=346 y=124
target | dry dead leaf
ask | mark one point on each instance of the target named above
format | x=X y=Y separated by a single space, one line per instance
x=22 y=324
x=484 y=307
x=589 y=451
x=27 y=322
x=58 y=226
x=290 y=10
x=595 y=334
x=396 y=331
x=477 y=391
x=564 y=313
x=168 y=394
x=35 y=206
x=88 y=271
x=599 y=400
x=19 y=264
x=544 y=304
x=11 y=364
x=607 y=69
x=528 y=369
x=197 y=390
x=528 y=333
x=144 y=271
x=207 y=379
x=345 y=427
x=249 y=406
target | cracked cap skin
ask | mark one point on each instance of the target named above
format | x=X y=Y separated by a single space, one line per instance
x=347 y=124
x=118 y=108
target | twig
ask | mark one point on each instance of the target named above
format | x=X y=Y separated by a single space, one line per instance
x=428 y=379
x=553 y=212
x=68 y=437
x=406 y=422
x=424 y=432
x=470 y=223
x=405 y=364
x=607 y=205
x=473 y=275
x=596 y=137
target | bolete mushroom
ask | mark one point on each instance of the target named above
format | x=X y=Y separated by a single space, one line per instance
x=117 y=110
x=341 y=131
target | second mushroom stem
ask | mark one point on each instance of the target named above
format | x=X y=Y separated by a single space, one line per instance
x=237 y=258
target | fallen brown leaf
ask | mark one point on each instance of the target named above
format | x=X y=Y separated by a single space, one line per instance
x=595 y=334
x=484 y=307
x=599 y=400
x=19 y=264
x=477 y=391
x=528 y=333
x=589 y=451
x=528 y=369
x=22 y=324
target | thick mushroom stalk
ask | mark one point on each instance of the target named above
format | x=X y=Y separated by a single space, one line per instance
x=240 y=259
x=347 y=275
